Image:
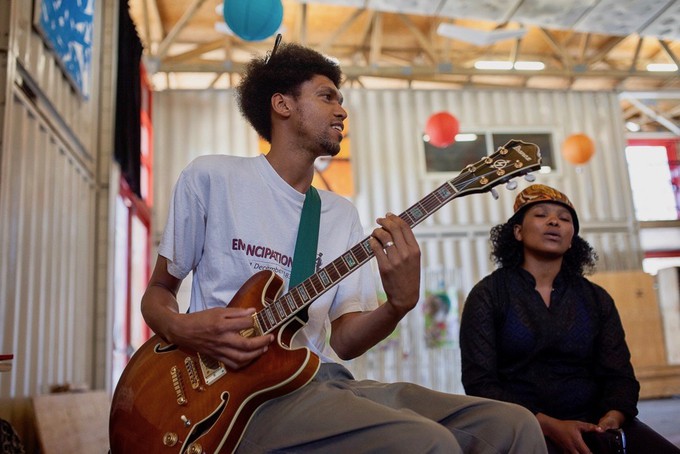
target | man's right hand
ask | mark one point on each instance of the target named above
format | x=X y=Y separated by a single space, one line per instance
x=217 y=333
x=214 y=332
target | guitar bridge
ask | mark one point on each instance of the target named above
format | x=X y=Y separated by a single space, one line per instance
x=212 y=369
x=177 y=384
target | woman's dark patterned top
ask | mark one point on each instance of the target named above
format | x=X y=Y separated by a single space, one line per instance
x=568 y=361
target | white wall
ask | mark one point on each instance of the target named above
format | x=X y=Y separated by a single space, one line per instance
x=385 y=128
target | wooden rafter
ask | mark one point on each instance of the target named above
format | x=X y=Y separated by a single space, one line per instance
x=172 y=35
x=302 y=24
x=376 y=40
x=326 y=44
x=562 y=53
x=385 y=44
x=514 y=53
x=422 y=40
x=583 y=46
x=636 y=55
x=659 y=118
x=153 y=26
x=604 y=50
x=669 y=52
x=199 y=50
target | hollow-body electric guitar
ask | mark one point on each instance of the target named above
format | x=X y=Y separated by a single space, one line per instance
x=172 y=400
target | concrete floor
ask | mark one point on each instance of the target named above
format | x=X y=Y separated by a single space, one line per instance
x=663 y=415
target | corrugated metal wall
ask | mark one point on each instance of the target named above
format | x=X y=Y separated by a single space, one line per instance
x=47 y=256
x=386 y=128
x=51 y=187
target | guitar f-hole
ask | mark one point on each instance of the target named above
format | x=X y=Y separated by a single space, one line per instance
x=204 y=426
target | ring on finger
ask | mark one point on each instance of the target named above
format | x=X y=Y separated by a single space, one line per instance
x=389 y=244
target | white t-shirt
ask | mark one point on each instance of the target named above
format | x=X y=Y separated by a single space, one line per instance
x=231 y=217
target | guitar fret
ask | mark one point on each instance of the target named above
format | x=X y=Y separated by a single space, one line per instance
x=279 y=310
x=416 y=213
x=364 y=253
x=309 y=287
x=316 y=284
x=261 y=322
x=349 y=260
x=444 y=192
x=359 y=253
x=333 y=271
x=366 y=245
x=325 y=278
x=270 y=316
x=431 y=204
x=340 y=266
x=303 y=293
x=290 y=302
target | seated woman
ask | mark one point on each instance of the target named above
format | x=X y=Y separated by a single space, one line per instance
x=537 y=333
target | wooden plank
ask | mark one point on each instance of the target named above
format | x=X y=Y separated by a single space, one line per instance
x=656 y=382
x=669 y=304
x=73 y=422
x=635 y=295
x=635 y=298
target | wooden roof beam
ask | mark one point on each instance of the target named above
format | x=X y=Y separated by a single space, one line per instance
x=636 y=55
x=199 y=50
x=669 y=52
x=604 y=50
x=328 y=42
x=153 y=26
x=662 y=120
x=365 y=34
x=376 y=39
x=181 y=23
x=302 y=24
x=562 y=54
x=583 y=46
x=514 y=53
x=422 y=40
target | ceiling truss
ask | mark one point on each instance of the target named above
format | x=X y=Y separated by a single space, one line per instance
x=180 y=37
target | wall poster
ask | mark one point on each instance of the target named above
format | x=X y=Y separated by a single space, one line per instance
x=67 y=28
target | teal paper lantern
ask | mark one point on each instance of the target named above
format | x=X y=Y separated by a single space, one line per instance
x=253 y=20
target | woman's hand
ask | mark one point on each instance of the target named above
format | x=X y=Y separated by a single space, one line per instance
x=613 y=419
x=567 y=433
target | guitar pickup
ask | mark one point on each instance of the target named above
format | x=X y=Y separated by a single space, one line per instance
x=212 y=369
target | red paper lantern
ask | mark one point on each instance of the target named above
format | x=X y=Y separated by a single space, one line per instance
x=442 y=128
x=578 y=148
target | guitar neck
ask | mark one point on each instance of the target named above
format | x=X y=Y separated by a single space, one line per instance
x=515 y=158
x=282 y=309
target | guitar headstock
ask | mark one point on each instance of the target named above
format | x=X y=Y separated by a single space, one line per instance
x=513 y=159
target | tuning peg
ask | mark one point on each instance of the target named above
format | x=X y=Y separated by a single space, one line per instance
x=530 y=177
x=511 y=185
x=494 y=194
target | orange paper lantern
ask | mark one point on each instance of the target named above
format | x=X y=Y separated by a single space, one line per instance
x=578 y=149
x=442 y=128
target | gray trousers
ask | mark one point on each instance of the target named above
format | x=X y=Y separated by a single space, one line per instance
x=335 y=413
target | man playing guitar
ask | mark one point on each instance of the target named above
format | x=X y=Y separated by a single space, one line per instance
x=231 y=217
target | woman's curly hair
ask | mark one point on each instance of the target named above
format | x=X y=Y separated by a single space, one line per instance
x=282 y=71
x=507 y=252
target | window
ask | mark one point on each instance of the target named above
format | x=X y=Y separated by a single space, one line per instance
x=456 y=156
x=471 y=147
x=654 y=173
x=654 y=196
